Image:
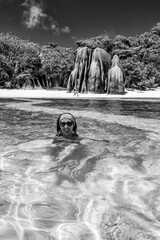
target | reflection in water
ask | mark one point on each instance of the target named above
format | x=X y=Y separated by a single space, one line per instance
x=106 y=186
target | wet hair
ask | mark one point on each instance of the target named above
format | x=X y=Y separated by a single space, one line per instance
x=59 y=132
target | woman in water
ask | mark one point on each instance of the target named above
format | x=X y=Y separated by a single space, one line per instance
x=66 y=127
x=70 y=150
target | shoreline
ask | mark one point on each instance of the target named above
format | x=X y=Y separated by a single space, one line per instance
x=55 y=94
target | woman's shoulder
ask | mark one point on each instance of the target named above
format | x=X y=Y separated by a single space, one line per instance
x=60 y=138
x=77 y=139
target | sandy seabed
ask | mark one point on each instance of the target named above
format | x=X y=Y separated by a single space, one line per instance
x=53 y=94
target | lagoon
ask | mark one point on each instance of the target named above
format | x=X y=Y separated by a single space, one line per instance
x=107 y=186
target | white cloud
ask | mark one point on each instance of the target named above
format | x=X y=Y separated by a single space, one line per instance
x=55 y=29
x=33 y=14
x=35 y=17
x=66 y=29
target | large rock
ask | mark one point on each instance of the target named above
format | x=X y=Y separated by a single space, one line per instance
x=116 y=77
x=79 y=76
x=90 y=70
x=97 y=80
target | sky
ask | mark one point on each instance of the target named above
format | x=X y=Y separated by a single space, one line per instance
x=66 y=21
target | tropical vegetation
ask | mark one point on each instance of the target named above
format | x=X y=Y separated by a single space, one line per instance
x=24 y=64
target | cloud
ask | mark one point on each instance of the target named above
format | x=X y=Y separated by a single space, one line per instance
x=66 y=29
x=55 y=29
x=34 y=16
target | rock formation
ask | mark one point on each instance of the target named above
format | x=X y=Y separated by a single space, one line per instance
x=116 y=77
x=90 y=71
x=97 y=79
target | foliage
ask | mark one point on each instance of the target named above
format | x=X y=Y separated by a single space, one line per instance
x=45 y=66
x=57 y=63
x=17 y=56
x=101 y=41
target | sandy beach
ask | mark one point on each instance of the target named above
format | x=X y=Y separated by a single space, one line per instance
x=53 y=94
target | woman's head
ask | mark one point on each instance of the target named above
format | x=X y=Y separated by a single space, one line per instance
x=66 y=125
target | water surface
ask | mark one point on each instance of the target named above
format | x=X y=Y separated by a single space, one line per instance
x=106 y=186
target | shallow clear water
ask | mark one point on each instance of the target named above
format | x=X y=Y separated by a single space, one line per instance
x=107 y=186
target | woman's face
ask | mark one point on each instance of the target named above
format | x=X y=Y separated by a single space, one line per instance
x=66 y=126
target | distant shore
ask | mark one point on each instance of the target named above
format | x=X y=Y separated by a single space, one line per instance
x=53 y=94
